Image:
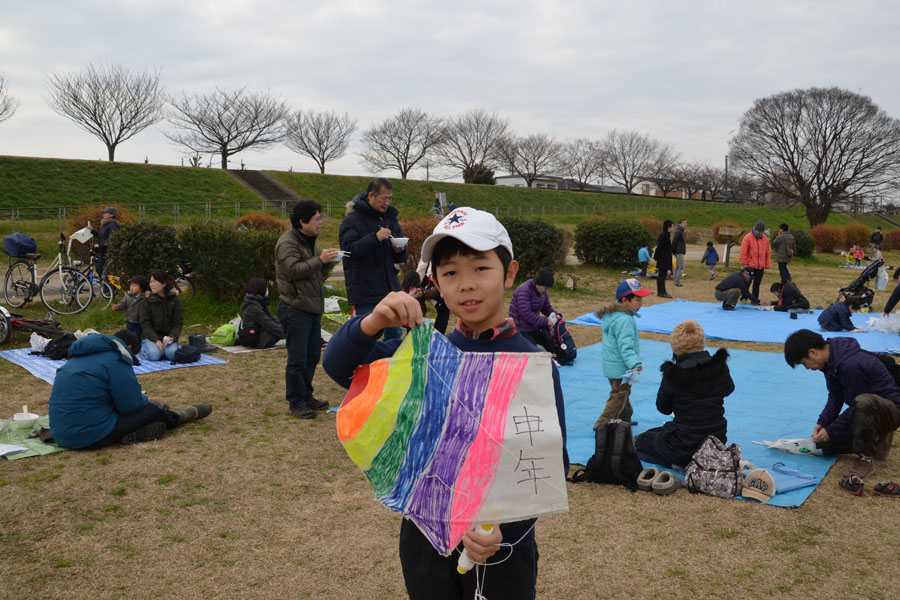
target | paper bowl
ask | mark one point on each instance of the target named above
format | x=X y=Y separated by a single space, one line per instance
x=24 y=420
x=399 y=242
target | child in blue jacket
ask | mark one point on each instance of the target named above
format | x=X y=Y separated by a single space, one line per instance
x=710 y=258
x=472 y=264
x=621 y=348
x=644 y=258
x=837 y=316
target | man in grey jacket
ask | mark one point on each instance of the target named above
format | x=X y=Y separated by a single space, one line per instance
x=300 y=273
x=679 y=249
x=785 y=249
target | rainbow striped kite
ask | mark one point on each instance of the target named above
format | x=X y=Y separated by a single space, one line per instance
x=450 y=438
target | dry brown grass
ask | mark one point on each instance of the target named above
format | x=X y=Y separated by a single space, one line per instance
x=251 y=503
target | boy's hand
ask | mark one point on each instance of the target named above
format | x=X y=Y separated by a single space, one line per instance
x=482 y=547
x=397 y=309
x=820 y=434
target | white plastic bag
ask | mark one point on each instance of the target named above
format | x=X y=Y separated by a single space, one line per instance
x=881 y=280
x=794 y=446
x=38 y=342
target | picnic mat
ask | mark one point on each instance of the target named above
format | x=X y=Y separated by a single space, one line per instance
x=34 y=446
x=770 y=401
x=747 y=323
x=44 y=368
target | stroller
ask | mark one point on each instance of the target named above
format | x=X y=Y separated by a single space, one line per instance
x=858 y=288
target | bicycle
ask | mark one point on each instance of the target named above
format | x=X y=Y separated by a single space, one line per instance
x=11 y=320
x=63 y=289
x=101 y=286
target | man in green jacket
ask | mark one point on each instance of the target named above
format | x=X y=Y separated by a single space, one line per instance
x=300 y=272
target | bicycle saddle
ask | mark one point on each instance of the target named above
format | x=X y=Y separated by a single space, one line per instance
x=32 y=255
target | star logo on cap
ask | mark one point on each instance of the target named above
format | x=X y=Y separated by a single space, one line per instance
x=454 y=218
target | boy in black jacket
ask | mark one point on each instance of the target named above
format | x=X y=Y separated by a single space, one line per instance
x=472 y=265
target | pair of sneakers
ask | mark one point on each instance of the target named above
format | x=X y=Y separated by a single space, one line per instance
x=658 y=481
x=309 y=410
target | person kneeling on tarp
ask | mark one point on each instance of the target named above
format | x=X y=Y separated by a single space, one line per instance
x=788 y=296
x=734 y=288
x=693 y=388
x=97 y=401
x=862 y=382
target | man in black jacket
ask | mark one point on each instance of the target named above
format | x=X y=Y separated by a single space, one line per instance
x=679 y=249
x=367 y=234
x=734 y=288
x=663 y=257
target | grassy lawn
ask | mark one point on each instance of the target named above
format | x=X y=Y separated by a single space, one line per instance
x=252 y=503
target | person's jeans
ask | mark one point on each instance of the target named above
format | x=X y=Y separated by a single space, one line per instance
x=663 y=272
x=151 y=351
x=389 y=332
x=757 y=279
x=303 y=334
x=679 y=268
x=783 y=271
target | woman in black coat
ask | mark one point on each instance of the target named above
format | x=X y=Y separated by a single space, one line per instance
x=663 y=257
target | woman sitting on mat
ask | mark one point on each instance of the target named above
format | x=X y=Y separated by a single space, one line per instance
x=259 y=327
x=161 y=319
x=693 y=387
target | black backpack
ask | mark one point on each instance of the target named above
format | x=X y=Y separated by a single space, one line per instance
x=58 y=347
x=562 y=345
x=186 y=354
x=615 y=460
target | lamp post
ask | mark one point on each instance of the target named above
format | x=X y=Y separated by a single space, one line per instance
x=726 y=178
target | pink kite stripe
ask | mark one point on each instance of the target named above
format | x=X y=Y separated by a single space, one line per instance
x=478 y=471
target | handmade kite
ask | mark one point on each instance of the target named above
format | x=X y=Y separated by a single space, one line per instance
x=450 y=438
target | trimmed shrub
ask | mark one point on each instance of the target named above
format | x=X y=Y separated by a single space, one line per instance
x=223 y=259
x=891 y=240
x=721 y=239
x=806 y=245
x=855 y=233
x=416 y=230
x=536 y=244
x=614 y=243
x=257 y=220
x=93 y=215
x=827 y=237
x=653 y=225
x=138 y=248
x=691 y=236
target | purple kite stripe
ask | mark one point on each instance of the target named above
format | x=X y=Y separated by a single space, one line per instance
x=443 y=362
x=433 y=497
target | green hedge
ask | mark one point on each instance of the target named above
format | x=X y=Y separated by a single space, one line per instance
x=536 y=244
x=806 y=244
x=612 y=243
x=224 y=259
x=141 y=247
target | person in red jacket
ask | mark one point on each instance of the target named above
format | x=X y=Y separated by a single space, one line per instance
x=755 y=254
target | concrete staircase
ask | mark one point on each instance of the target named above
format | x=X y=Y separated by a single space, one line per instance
x=267 y=188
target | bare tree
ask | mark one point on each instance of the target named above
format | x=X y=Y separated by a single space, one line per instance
x=226 y=122
x=470 y=142
x=531 y=156
x=689 y=177
x=108 y=101
x=712 y=180
x=667 y=178
x=632 y=156
x=818 y=146
x=582 y=160
x=323 y=136
x=8 y=104
x=401 y=141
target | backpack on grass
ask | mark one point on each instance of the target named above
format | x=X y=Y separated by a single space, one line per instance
x=615 y=459
x=715 y=469
x=224 y=335
x=186 y=354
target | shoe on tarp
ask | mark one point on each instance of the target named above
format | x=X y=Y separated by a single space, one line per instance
x=888 y=489
x=852 y=484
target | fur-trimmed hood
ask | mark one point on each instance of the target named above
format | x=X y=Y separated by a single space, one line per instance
x=689 y=367
x=608 y=308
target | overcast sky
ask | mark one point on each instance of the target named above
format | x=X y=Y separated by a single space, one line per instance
x=682 y=71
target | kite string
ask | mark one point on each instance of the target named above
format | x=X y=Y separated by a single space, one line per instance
x=481 y=568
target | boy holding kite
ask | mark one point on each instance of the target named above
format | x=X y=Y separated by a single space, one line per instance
x=472 y=264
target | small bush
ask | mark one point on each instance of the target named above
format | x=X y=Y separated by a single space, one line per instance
x=257 y=220
x=93 y=215
x=416 y=231
x=614 y=243
x=827 y=237
x=653 y=225
x=223 y=259
x=141 y=247
x=691 y=236
x=855 y=233
x=721 y=239
x=891 y=240
x=806 y=245
x=536 y=244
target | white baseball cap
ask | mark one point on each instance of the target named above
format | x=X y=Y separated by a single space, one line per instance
x=475 y=228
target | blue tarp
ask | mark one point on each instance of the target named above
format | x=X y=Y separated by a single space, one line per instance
x=746 y=323
x=770 y=401
x=44 y=368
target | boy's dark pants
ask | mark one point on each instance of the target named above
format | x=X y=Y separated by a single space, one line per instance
x=643 y=266
x=871 y=416
x=151 y=413
x=430 y=576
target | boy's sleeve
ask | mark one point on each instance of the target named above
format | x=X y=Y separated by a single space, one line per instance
x=629 y=347
x=349 y=347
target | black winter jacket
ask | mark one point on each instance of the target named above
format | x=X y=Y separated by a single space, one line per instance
x=369 y=271
x=161 y=317
x=663 y=253
x=694 y=389
x=255 y=313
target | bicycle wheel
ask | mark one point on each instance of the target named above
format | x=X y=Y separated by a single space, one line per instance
x=66 y=291
x=185 y=288
x=4 y=328
x=18 y=287
x=107 y=292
